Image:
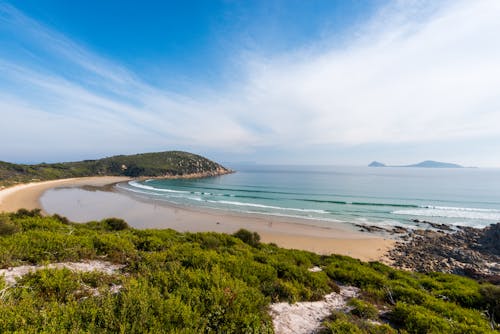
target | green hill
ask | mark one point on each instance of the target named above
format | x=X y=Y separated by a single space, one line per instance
x=171 y=163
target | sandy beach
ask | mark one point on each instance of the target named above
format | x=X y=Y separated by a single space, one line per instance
x=27 y=195
x=67 y=197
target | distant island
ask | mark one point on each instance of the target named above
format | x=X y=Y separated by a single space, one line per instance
x=423 y=164
x=158 y=164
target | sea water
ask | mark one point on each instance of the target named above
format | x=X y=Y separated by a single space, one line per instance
x=361 y=195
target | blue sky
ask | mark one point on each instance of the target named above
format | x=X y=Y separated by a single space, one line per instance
x=297 y=82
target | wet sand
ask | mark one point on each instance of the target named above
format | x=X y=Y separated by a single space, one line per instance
x=83 y=200
x=27 y=195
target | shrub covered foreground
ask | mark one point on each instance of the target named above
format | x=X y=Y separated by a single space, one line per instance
x=212 y=283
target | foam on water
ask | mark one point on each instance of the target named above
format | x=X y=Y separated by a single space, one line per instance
x=385 y=197
x=142 y=186
x=452 y=212
x=267 y=206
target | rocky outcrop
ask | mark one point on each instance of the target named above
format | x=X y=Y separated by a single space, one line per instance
x=469 y=251
x=200 y=174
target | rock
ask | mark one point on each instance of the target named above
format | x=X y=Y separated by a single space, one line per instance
x=470 y=252
x=399 y=230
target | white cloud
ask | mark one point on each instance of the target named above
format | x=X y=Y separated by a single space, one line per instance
x=424 y=82
x=416 y=73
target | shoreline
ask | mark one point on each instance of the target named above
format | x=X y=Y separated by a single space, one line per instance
x=285 y=232
x=27 y=195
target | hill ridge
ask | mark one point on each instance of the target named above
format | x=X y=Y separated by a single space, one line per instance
x=154 y=164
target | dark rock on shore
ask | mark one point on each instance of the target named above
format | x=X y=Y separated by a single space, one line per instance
x=469 y=251
x=378 y=229
x=436 y=226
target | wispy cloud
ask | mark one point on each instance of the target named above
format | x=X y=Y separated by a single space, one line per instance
x=417 y=73
x=420 y=81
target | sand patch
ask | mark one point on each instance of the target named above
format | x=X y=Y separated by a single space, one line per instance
x=306 y=317
x=11 y=275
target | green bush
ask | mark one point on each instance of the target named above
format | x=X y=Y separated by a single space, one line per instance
x=362 y=309
x=491 y=301
x=6 y=226
x=250 y=238
x=57 y=285
x=342 y=326
x=23 y=213
x=419 y=320
x=339 y=322
x=115 y=224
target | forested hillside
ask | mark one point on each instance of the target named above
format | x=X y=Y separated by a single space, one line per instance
x=171 y=163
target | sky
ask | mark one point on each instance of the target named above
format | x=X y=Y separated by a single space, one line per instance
x=273 y=82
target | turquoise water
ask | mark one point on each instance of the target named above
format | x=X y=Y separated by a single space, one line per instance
x=379 y=196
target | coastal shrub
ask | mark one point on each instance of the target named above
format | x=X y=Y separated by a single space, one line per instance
x=29 y=223
x=362 y=309
x=399 y=291
x=349 y=271
x=211 y=240
x=451 y=311
x=151 y=244
x=418 y=320
x=439 y=317
x=341 y=326
x=339 y=322
x=491 y=301
x=115 y=224
x=117 y=247
x=22 y=213
x=51 y=284
x=461 y=290
x=37 y=246
x=61 y=219
x=250 y=238
x=6 y=226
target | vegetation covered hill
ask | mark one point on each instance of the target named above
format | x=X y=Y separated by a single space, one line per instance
x=171 y=163
x=212 y=283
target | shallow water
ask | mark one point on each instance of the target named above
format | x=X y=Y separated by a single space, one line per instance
x=380 y=196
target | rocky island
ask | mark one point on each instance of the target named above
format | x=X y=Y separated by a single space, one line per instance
x=423 y=164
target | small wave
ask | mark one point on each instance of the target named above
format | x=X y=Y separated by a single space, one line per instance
x=452 y=212
x=267 y=206
x=330 y=220
x=459 y=209
x=386 y=204
x=322 y=201
x=243 y=196
x=138 y=191
x=361 y=203
x=136 y=184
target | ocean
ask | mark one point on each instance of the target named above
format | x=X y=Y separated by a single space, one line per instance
x=361 y=195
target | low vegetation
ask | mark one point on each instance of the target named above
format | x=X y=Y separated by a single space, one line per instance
x=212 y=283
x=147 y=164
